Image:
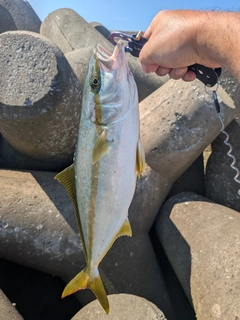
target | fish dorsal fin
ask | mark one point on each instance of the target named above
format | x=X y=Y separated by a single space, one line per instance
x=126 y=230
x=101 y=147
x=67 y=180
x=140 y=163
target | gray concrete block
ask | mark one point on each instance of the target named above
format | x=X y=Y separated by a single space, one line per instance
x=202 y=242
x=7 y=310
x=232 y=87
x=123 y=306
x=12 y=159
x=6 y=21
x=38 y=220
x=23 y=15
x=187 y=181
x=178 y=121
x=149 y=195
x=40 y=98
x=70 y=32
x=38 y=230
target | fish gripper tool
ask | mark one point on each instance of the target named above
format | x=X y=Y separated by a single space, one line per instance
x=208 y=76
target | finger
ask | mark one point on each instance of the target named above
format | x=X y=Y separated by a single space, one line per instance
x=162 y=71
x=178 y=73
x=149 y=67
x=189 y=76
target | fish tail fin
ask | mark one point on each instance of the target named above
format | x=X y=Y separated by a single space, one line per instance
x=88 y=280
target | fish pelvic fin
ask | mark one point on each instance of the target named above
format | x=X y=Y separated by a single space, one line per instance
x=67 y=179
x=88 y=280
x=101 y=147
x=141 y=162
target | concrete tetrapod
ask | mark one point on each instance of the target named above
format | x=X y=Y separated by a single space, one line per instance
x=25 y=18
x=202 y=242
x=178 y=121
x=6 y=20
x=40 y=98
x=123 y=306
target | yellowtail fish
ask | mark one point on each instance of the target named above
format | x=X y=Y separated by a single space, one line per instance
x=108 y=158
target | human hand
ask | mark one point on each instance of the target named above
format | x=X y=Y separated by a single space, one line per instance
x=175 y=42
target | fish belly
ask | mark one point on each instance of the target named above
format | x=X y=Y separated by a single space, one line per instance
x=105 y=189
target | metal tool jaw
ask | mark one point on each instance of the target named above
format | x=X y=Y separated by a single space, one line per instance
x=135 y=42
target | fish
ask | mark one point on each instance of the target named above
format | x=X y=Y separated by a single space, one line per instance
x=109 y=158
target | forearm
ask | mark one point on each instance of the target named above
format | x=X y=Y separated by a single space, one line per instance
x=218 y=40
x=179 y=38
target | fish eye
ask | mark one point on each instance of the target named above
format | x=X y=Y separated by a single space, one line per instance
x=95 y=82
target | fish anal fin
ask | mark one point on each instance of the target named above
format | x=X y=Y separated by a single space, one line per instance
x=126 y=230
x=140 y=159
x=67 y=179
x=88 y=280
x=101 y=147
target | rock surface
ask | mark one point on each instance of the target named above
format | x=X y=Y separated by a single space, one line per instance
x=204 y=250
x=122 y=306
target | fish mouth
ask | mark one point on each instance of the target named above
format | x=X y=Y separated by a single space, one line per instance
x=111 y=61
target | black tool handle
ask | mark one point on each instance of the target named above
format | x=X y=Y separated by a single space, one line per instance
x=209 y=76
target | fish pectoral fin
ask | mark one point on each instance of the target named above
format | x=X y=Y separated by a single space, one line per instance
x=87 y=280
x=126 y=230
x=67 y=179
x=101 y=147
x=140 y=163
